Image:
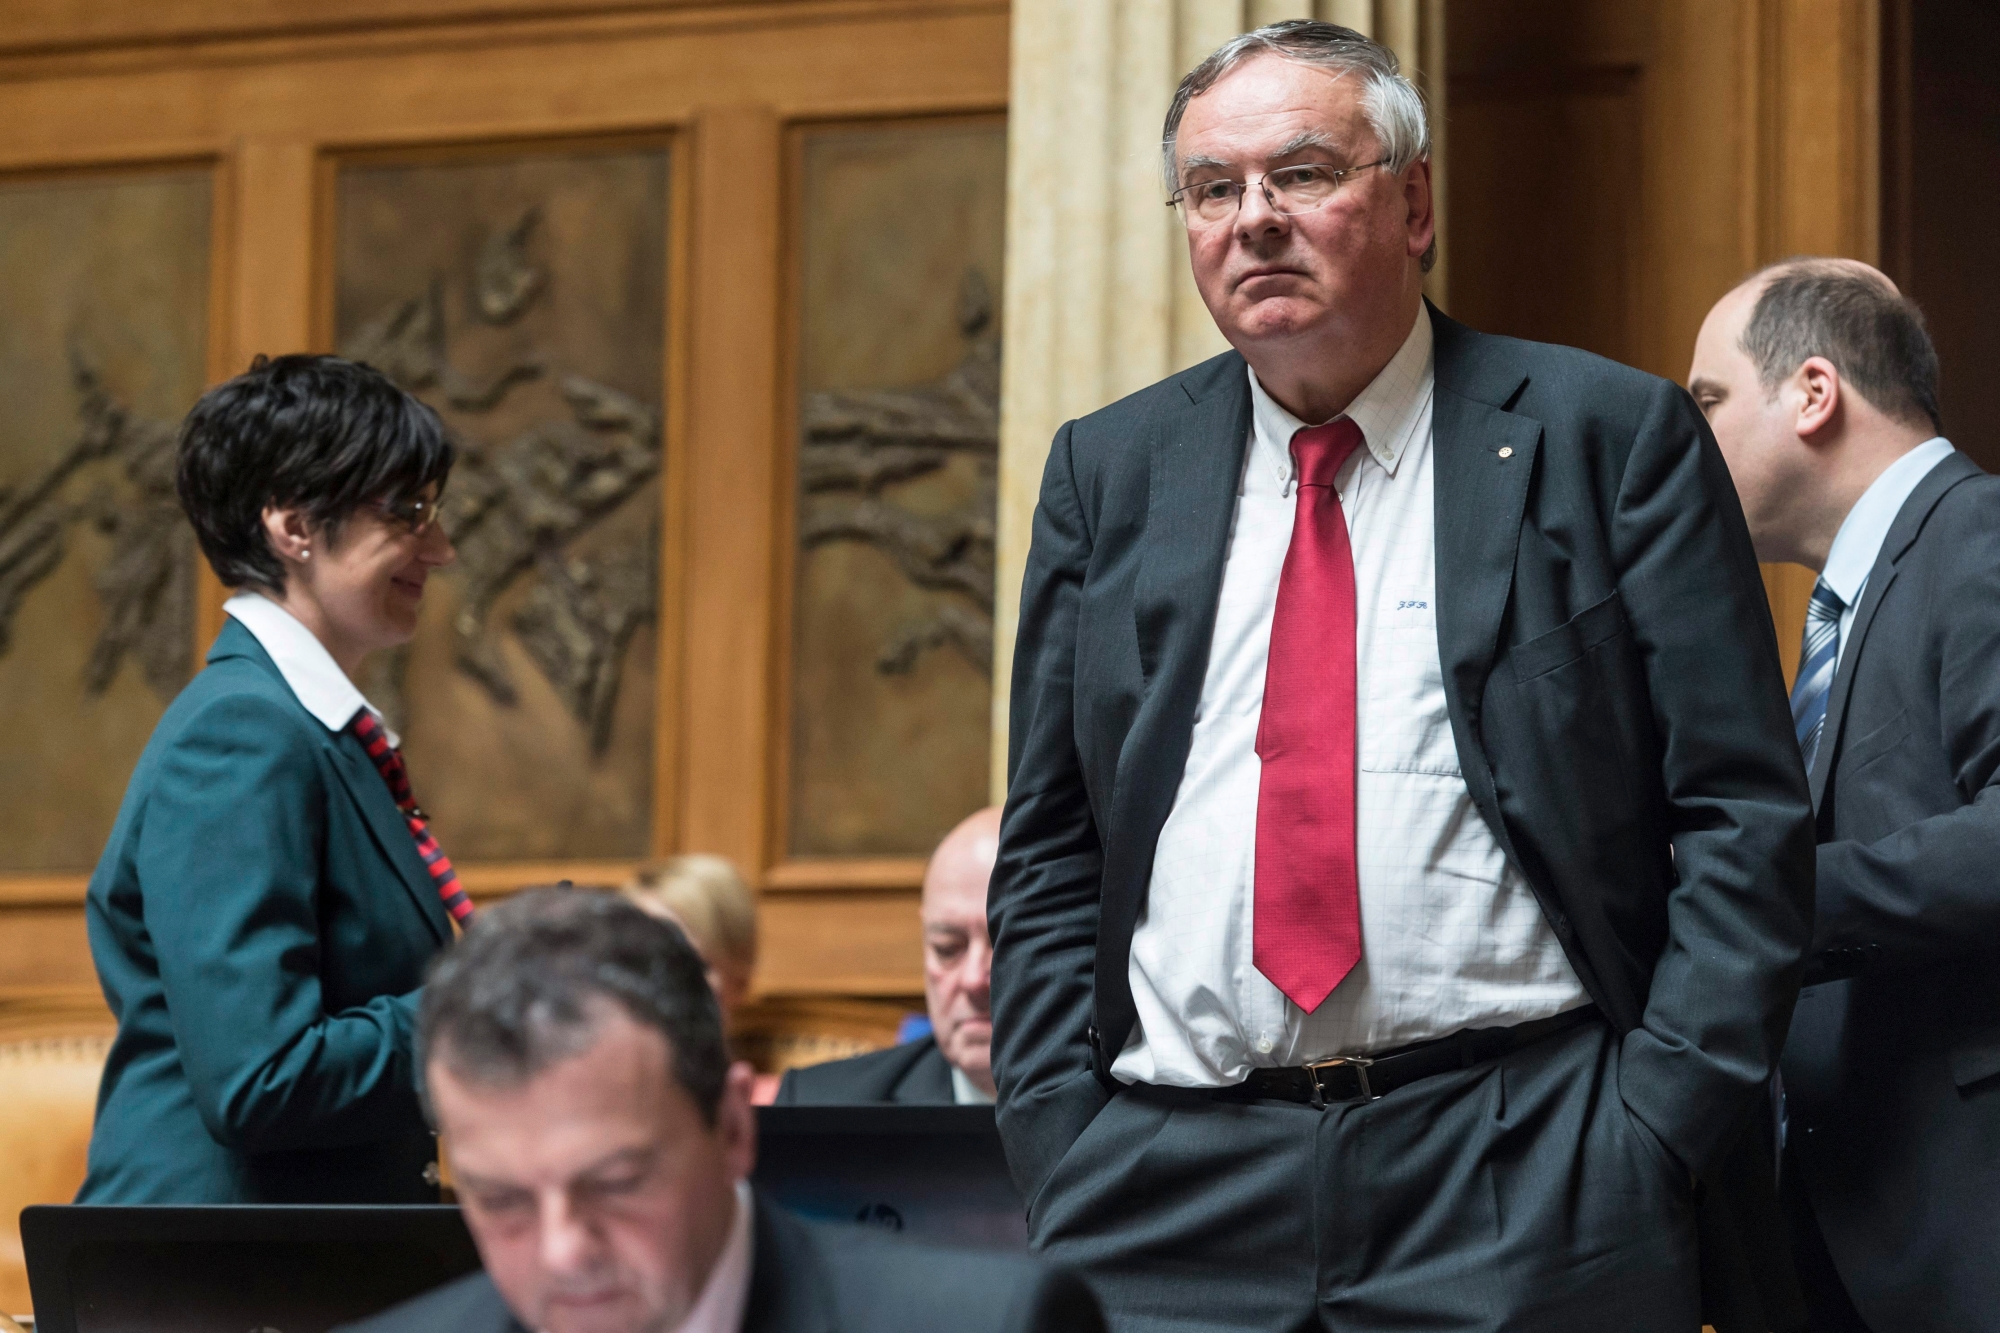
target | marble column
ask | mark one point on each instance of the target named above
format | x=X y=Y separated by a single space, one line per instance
x=1098 y=299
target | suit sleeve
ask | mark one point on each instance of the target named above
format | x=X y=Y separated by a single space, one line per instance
x=1928 y=892
x=1740 y=818
x=1043 y=901
x=228 y=865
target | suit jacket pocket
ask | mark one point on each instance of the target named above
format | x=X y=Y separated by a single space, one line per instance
x=1594 y=625
x=1878 y=742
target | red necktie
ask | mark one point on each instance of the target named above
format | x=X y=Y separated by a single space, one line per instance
x=389 y=762
x=1307 y=925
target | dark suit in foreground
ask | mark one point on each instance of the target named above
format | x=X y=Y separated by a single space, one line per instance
x=1620 y=720
x=806 y=1278
x=1892 y=1076
x=261 y=923
x=913 y=1074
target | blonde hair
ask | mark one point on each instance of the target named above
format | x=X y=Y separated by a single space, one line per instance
x=708 y=899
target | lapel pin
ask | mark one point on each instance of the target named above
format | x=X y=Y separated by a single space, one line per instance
x=1506 y=451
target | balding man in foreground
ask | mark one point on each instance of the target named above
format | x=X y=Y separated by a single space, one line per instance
x=1821 y=385
x=954 y=1063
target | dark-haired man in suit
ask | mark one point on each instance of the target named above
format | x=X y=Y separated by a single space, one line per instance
x=1406 y=870
x=954 y=1063
x=601 y=1141
x=1821 y=384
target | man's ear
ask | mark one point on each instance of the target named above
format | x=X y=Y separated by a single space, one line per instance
x=1422 y=204
x=1820 y=398
x=736 y=1120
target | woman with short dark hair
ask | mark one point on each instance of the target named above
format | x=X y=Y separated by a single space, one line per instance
x=270 y=896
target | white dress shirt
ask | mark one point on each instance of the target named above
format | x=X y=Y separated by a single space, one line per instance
x=1859 y=542
x=964 y=1092
x=726 y=1294
x=315 y=678
x=1451 y=936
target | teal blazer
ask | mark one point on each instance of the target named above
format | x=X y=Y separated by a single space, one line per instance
x=261 y=923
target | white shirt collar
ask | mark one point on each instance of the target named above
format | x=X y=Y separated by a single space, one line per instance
x=1388 y=410
x=964 y=1092
x=1859 y=541
x=317 y=681
x=726 y=1294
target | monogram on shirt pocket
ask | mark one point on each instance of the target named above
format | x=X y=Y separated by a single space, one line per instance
x=1404 y=727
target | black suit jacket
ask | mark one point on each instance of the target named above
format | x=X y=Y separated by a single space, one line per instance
x=806 y=1278
x=915 y=1073
x=1614 y=690
x=1892 y=1076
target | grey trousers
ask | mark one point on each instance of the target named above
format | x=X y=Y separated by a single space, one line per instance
x=1518 y=1194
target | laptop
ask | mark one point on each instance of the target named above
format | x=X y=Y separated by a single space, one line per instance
x=234 y=1268
x=932 y=1173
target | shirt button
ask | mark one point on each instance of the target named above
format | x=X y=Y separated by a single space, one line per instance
x=1264 y=1045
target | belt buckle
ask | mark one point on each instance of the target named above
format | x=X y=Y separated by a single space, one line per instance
x=1358 y=1063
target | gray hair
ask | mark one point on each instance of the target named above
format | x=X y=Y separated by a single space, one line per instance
x=1394 y=107
x=527 y=986
x=1850 y=315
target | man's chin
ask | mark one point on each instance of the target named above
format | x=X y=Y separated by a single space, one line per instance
x=619 y=1314
x=1277 y=317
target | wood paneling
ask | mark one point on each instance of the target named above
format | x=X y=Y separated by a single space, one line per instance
x=272 y=92
x=1653 y=156
x=69 y=24
x=845 y=942
x=1941 y=198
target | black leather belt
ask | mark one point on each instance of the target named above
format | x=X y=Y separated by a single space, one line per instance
x=1359 y=1078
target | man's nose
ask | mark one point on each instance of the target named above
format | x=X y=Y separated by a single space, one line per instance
x=979 y=973
x=1255 y=216
x=568 y=1243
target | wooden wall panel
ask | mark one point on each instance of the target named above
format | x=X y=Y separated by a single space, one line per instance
x=1754 y=139
x=273 y=91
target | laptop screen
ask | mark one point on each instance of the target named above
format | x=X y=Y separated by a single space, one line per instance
x=933 y=1173
x=234 y=1269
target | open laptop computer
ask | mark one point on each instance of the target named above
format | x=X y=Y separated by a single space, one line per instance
x=233 y=1268
x=933 y=1173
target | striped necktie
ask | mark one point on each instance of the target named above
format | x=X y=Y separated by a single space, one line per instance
x=1819 y=653
x=389 y=762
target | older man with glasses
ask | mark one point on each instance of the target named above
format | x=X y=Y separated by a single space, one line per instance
x=1407 y=867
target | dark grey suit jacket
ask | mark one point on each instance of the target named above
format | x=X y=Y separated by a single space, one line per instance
x=806 y=1278
x=1892 y=1076
x=1614 y=690
x=913 y=1074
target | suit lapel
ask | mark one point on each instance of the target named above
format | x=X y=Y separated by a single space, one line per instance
x=391 y=832
x=1949 y=471
x=1483 y=459
x=364 y=784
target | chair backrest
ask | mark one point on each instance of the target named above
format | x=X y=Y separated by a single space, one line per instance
x=48 y=1097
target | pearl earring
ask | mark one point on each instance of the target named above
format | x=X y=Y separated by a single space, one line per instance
x=305 y=554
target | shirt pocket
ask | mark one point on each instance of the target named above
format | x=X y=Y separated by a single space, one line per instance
x=1405 y=726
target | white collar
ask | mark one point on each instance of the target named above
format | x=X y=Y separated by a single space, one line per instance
x=316 y=680
x=726 y=1294
x=1859 y=541
x=1388 y=410
x=964 y=1092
